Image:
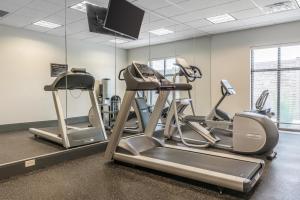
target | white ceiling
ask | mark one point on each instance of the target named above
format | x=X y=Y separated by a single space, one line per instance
x=185 y=17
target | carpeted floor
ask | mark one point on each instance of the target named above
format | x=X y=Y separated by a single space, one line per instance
x=93 y=178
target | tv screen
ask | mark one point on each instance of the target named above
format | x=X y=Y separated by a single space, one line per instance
x=124 y=18
x=96 y=17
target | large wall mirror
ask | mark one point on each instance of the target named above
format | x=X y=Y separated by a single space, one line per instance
x=60 y=65
x=32 y=37
x=58 y=74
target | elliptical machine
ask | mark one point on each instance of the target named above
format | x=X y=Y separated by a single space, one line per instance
x=251 y=133
x=218 y=118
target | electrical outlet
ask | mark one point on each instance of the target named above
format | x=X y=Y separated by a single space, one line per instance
x=30 y=163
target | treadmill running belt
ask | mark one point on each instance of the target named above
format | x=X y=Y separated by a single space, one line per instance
x=243 y=169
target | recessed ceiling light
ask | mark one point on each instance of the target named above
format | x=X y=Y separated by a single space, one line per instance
x=46 y=24
x=221 y=19
x=161 y=31
x=118 y=41
x=280 y=7
x=81 y=6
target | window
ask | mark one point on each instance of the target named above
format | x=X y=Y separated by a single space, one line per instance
x=167 y=68
x=277 y=69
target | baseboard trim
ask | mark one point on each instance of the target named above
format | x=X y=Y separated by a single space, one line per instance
x=39 y=124
x=19 y=167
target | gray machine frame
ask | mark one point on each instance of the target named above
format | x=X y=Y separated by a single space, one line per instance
x=249 y=133
x=213 y=120
x=132 y=150
x=71 y=136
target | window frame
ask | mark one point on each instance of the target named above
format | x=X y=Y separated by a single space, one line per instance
x=164 y=73
x=278 y=70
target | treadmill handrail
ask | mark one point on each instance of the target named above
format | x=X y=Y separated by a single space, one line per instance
x=149 y=79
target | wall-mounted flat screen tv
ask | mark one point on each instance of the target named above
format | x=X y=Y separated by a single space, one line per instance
x=96 y=17
x=124 y=18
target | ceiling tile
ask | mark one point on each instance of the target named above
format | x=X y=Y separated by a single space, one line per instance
x=247 y=13
x=223 y=27
x=82 y=35
x=180 y=27
x=79 y=26
x=17 y=20
x=217 y=10
x=72 y=16
x=9 y=7
x=37 y=28
x=12 y=5
x=153 y=4
x=263 y=3
x=55 y=19
x=156 y=25
x=201 y=4
x=60 y=31
x=58 y=2
x=30 y=12
x=275 y=18
x=99 y=39
x=44 y=6
x=199 y=23
x=185 y=17
x=151 y=18
x=170 y=11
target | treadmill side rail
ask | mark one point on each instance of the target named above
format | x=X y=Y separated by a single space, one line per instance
x=62 y=127
x=207 y=176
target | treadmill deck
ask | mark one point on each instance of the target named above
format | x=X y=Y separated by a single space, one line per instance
x=239 y=168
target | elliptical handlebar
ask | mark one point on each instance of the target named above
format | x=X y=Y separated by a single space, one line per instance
x=223 y=91
x=261 y=101
x=120 y=73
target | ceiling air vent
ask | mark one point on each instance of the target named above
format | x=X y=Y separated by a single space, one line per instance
x=3 y=13
x=279 y=7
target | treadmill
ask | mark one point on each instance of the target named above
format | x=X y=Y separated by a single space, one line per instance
x=224 y=170
x=66 y=135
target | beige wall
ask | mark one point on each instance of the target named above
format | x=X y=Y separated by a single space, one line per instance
x=230 y=59
x=25 y=57
x=196 y=52
x=25 y=68
x=223 y=56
